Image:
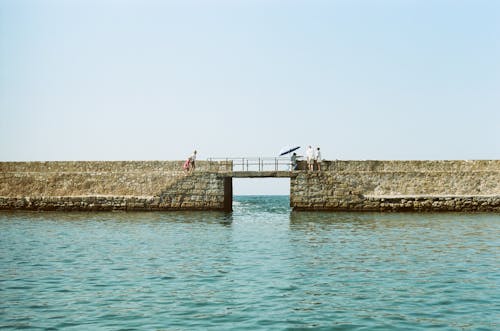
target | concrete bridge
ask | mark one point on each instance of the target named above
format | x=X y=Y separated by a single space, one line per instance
x=261 y=174
x=253 y=167
x=464 y=186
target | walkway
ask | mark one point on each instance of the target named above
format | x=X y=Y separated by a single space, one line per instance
x=262 y=174
x=258 y=167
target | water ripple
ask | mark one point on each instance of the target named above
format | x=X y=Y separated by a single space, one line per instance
x=261 y=267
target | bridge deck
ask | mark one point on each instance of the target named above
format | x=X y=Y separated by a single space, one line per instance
x=263 y=174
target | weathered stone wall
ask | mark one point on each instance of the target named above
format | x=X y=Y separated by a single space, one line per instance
x=106 y=185
x=162 y=185
x=398 y=186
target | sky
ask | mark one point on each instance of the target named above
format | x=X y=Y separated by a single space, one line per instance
x=154 y=80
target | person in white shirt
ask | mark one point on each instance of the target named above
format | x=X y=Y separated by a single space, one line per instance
x=310 y=158
x=192 y=160
x=317 y=158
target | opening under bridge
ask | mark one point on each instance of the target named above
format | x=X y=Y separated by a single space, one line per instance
x=253 y=167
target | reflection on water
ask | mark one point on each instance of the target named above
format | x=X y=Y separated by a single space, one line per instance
x=121 y=217
x=260 y=267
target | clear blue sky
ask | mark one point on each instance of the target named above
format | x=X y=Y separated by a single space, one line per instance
x=153 y=80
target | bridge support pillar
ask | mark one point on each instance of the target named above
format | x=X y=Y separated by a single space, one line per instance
x=228 y=194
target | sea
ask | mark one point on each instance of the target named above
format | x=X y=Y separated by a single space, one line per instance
x=261 y=267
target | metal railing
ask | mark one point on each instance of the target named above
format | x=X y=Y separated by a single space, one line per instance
x=257 y=163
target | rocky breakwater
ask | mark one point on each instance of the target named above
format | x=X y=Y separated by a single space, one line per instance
x=127 y=185
x=461 y=186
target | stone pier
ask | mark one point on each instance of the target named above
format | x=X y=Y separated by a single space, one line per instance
x=106 y=185
x=464 y=186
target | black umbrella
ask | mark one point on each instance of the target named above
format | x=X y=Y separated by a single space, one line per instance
x=287 y=150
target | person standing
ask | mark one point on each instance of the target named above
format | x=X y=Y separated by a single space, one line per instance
x=293 y=161
x=317 y=158
x=310 y=158
x=192 y=161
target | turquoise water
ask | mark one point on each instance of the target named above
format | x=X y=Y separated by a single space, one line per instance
x=260 y=268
